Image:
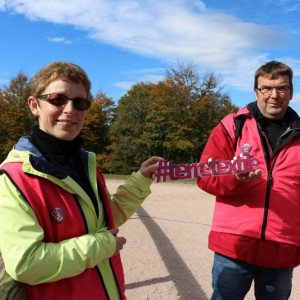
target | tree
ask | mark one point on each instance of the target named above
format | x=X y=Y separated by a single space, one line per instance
x=96 y=130
x=172 y=118
x=183 y=110
x=210 y=106
x=168 y=123
x=16 y=117
x=129 y=147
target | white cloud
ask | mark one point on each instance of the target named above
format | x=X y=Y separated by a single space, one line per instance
x=294 y=7
x=4 y=74
x=143 y=71
x=60 y=40
x=294 y=64
x=151 y=78
x=166 y=29
x=170 y=30
x=296 y=99
x=125 y=85
x=4 y=82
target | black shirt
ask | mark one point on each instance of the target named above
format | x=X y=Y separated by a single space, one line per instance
x=64 y=156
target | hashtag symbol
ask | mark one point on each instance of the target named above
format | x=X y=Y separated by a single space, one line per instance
x=162 y=172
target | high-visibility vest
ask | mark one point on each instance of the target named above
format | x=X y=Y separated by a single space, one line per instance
x=50 y=204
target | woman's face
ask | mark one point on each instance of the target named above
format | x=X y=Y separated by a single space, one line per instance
x=63 y=122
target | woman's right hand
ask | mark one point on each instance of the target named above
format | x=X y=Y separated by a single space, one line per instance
x=120 y=241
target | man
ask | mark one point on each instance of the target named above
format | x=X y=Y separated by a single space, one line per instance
x=255 y=231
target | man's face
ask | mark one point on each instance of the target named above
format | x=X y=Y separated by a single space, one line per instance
x=273 y=96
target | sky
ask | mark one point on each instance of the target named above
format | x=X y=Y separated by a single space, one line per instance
x=123 y=42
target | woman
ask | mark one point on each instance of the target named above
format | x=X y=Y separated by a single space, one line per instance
x=58 y=223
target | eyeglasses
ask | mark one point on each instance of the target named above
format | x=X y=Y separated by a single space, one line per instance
x=281 y=90
x=58 y=99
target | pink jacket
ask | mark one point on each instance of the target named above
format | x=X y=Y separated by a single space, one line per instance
x=266 y=209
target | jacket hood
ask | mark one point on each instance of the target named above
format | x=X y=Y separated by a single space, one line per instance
x=24 y=151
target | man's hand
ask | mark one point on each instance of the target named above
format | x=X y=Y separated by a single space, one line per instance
x=248 y=177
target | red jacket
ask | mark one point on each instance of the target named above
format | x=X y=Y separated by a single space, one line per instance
x=256 y=222
x=48 y=201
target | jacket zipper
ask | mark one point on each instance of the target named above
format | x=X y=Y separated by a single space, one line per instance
x=267 y=155
x=270 y=176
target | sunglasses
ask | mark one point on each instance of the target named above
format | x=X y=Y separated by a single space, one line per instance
x=58 y=99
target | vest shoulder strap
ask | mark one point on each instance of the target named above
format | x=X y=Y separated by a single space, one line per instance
x=239 y=124
x=234 y=127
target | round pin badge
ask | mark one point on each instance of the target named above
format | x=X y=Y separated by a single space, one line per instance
x=246 y=148
x=57 y=215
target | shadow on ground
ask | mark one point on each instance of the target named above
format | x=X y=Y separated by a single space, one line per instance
x=186 y=284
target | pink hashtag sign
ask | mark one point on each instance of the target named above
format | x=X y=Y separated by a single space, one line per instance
x=242 y=163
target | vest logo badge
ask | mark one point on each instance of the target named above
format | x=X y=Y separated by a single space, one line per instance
x=57 y=215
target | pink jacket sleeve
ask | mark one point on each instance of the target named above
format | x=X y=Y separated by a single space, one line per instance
x=220 y=146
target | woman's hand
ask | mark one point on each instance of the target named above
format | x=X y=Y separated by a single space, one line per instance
x=149 y=166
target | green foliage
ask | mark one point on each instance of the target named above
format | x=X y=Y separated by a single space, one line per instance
x=96 y=129
x=16 y=118
x=127 y=131
x=172 y=119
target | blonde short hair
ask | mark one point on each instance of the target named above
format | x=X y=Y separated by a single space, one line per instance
x=59 y=70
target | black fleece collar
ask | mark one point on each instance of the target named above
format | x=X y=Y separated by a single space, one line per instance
x=56 y=151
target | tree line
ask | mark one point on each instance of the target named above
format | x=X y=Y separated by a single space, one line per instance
x=172 y=118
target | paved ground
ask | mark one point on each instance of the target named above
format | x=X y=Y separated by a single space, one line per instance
x=166 y=255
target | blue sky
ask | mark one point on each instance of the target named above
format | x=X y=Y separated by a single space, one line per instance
x=121 y=42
